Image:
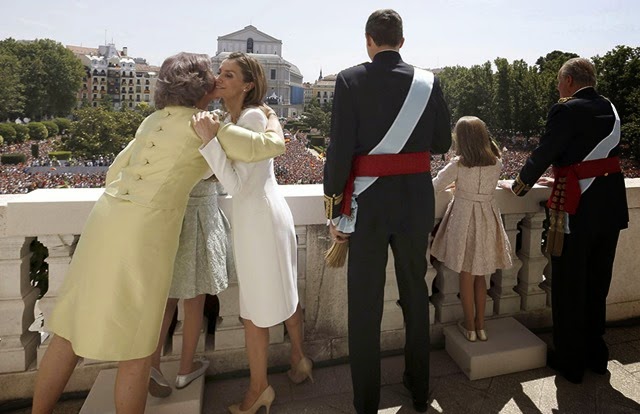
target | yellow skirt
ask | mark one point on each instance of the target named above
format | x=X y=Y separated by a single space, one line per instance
x=112 y=301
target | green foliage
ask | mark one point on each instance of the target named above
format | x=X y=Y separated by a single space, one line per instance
x=95 y=131
x=12 y=99
x=64 y=124
x=35 y=150
x=52 y=128
x=60 y=155
x=22 y=132
x=1 y=140
x=49 y=76
x=37 y=131
x=13 y=158
x=38 y=267
x=127 y=122
x=549 y=65
x=8 y=132
x=318 y=116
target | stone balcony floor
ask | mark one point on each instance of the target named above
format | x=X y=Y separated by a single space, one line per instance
x=535 y=391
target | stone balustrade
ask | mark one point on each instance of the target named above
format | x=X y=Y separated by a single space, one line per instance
x=55 y=217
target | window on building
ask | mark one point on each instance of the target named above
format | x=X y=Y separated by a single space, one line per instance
x=250 y=45
x=318 y=94
x=273 y=73
x=324 y=95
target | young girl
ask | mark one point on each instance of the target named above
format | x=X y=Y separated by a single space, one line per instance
x=203 y=265
x=471 y=239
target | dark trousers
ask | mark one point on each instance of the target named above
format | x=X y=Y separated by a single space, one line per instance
x=579 y=288
x=368 y=251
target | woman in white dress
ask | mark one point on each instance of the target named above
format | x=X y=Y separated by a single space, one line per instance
x=263 y=231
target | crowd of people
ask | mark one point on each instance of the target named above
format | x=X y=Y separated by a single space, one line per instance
x=17 y=179
x=298 y=165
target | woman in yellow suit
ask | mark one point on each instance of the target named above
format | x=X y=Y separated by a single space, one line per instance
x=112 y=301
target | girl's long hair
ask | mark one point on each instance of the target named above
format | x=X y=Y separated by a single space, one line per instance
x=473 y=144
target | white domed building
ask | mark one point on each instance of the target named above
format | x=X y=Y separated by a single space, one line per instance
x=285 y=93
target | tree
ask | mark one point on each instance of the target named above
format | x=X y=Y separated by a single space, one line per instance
x=619 y=79
x=50 y=74
x=502 y=98
x=548 y=66
x=93 y=133
x=11 y=88
x=527 y=102
x=317 y=116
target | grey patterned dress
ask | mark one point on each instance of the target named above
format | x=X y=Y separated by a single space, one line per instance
x=204 y=262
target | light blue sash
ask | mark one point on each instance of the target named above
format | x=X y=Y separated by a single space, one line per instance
x=395 y=138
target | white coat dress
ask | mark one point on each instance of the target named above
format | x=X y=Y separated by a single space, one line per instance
x=264 y=240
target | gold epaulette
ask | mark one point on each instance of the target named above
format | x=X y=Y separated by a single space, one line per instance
x=329 y=203
x=519 y=188
x=565 y=99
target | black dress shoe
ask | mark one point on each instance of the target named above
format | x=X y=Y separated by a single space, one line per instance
x=419 y=404
x=600 y=369
x=572 y=375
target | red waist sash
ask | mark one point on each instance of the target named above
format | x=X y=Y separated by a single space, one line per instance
x=382 y=165
x=565 y=195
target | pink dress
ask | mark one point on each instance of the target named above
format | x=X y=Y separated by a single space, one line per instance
x=471 y=235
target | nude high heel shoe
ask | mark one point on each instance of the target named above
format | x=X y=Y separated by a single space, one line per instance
x=301 y=372
x=266 y=399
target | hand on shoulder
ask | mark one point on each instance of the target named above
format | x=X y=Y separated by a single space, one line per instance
x=205 y=124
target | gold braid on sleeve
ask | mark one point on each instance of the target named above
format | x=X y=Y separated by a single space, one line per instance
x=329 y=203
x=519 y=188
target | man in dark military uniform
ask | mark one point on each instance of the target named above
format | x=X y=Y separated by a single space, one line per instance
x=396 y=210
x=588 y=208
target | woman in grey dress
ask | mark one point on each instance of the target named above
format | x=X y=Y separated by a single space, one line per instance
x=203 y=265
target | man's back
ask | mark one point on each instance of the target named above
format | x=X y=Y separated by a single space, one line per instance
x=368 y=99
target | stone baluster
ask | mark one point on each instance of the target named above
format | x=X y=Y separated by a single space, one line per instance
x=17 y=299
x=533 y=263
x=61 y=248
x=446 y=301
x=505 y=299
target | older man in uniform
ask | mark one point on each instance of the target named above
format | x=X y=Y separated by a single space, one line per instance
x=588 y=208
x=397 y=209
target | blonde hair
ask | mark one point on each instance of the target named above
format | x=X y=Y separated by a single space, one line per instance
x=183 y=80
x=473 y=144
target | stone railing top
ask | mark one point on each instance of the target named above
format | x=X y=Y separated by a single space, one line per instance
x=64 y=211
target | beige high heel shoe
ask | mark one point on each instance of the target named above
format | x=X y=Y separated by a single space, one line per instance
x=301 y=372
x=266 y=399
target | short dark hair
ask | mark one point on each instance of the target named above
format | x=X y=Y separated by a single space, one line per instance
x=581 y=70
x=251 y=72
x=385 y=27
x=183 y=80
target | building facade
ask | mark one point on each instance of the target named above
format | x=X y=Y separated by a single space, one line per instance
x=114 y=78
x=285 y=92
x=323 y=88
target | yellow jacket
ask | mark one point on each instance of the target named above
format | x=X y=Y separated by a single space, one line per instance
x=161 y=165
